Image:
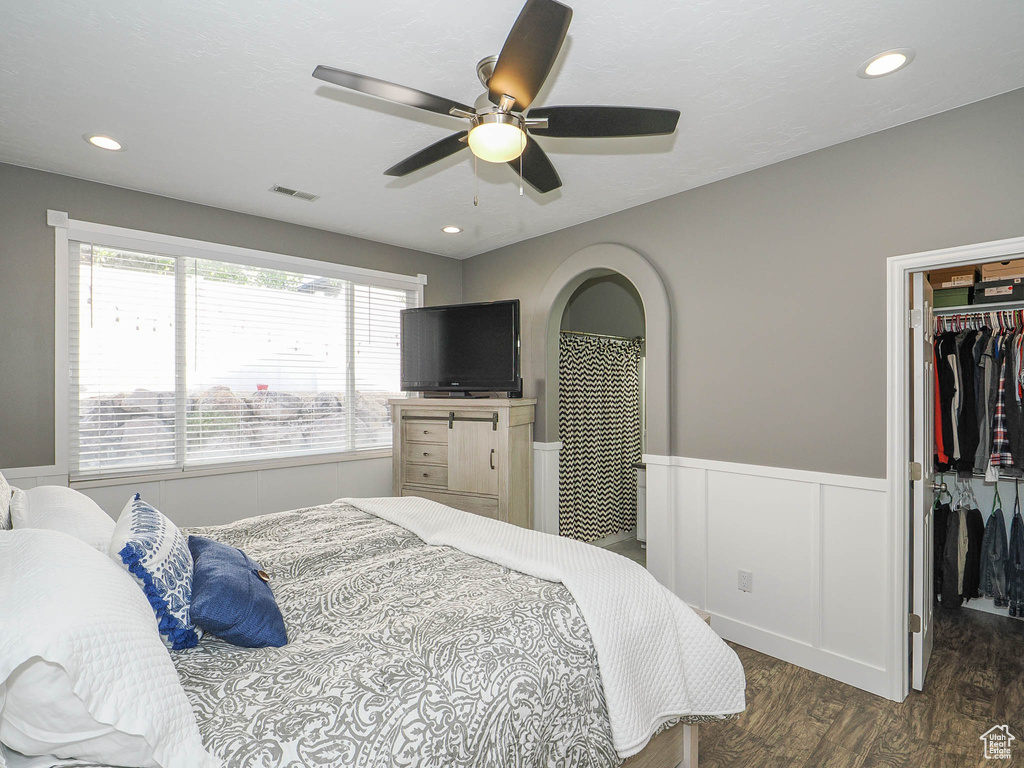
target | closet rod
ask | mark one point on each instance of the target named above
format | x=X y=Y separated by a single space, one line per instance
x=604 y=336
x=978 y=309
x=977 y=476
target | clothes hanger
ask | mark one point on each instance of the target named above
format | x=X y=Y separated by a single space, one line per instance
x=959 y=500
x=970 y=491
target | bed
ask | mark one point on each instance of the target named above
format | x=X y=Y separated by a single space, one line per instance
x=406 y=652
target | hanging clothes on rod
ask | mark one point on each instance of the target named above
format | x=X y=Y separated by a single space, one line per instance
x=958 y=547
x=1015 y=564
x=941 y=512
x=994 y=554
x=979 y=394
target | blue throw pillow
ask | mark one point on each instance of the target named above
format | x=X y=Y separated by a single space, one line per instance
x=231 y=599
x=152 y=549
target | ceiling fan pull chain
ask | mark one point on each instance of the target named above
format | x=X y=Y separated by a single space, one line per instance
x=521 y=173
x=476 y=184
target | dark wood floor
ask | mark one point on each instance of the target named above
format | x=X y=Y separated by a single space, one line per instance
x=797 y=718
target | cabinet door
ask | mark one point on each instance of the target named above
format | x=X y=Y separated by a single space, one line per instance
x=473 y=457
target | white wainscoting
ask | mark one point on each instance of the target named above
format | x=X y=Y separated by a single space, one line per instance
x=30 y=477
x=815 y=543
x=545 y=486
x=222 y=498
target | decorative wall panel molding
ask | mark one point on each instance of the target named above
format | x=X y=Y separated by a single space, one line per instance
x=816 y=545
x=213 y=499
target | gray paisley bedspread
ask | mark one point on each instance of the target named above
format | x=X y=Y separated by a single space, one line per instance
x=399 y=654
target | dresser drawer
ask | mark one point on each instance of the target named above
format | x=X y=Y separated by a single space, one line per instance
x=425 y=431
x=478 y=505
x=425 y=474
x=425 y=453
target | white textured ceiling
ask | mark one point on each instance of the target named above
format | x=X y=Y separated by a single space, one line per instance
x=214 y=101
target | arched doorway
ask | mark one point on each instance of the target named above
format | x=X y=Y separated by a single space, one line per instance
x=601 y=416
x=593 y=262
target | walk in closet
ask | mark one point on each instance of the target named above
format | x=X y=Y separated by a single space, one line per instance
x=957 y=402
x=977 y=346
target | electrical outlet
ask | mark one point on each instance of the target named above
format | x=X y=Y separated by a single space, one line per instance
x=746 y=581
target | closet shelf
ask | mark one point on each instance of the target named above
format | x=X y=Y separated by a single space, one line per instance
x=976 y=476
x=970 y=309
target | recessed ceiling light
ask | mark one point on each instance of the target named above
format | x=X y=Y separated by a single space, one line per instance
x=103 y=142
x=885 y=63
x=451 y=229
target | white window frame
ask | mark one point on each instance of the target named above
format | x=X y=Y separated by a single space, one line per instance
x=67 y=229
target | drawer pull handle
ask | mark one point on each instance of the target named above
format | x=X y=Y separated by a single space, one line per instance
x=426 y=431
x=425 y=453
x=492 y=458
x=425 y=474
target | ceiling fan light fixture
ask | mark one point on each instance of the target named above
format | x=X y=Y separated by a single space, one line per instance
x=497 y=137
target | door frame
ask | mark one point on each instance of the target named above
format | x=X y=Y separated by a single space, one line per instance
x=898 y=437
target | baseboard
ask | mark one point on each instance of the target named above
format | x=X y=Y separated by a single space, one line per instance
x=856 y=673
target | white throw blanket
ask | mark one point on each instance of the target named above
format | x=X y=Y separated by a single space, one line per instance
x=658 y=659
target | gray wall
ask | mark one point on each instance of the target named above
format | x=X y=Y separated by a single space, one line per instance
x=26 y=278
x=608 y=305
x=777 y=281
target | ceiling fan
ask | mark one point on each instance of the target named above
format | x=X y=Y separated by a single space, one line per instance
x=513 y=78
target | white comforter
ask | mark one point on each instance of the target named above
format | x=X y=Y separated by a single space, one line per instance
x=658 y=660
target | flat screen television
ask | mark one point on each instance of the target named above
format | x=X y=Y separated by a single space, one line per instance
x=462 y=348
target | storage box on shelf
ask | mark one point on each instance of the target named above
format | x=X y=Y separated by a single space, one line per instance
x=953 y=277
x=999 y=291
x=952 y=297
x=1003 y=270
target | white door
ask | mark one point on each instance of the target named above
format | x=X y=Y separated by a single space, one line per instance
x=922 y=491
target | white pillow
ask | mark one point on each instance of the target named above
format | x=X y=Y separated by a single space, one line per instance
x=75 y=629
x=5 y=510
x=58 y=508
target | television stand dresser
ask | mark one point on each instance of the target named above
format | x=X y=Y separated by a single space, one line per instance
x=471 y=454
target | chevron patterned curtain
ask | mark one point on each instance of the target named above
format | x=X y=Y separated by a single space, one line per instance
x=599 y=427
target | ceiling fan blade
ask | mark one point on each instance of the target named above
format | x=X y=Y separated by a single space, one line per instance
x=538 y=171
x=439 y=150
x=529 y=52
x=382 y=89
x=596 y=122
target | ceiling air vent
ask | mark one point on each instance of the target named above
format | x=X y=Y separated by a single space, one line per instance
x=307 y=196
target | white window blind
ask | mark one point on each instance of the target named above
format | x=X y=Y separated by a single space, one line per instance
x=180 y=362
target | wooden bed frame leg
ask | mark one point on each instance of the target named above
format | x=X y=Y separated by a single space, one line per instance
x=689 y=747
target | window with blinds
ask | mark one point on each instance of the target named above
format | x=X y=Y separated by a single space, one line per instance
x=180 y=362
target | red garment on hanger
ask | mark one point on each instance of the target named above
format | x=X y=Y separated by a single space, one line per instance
x=939 y=448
